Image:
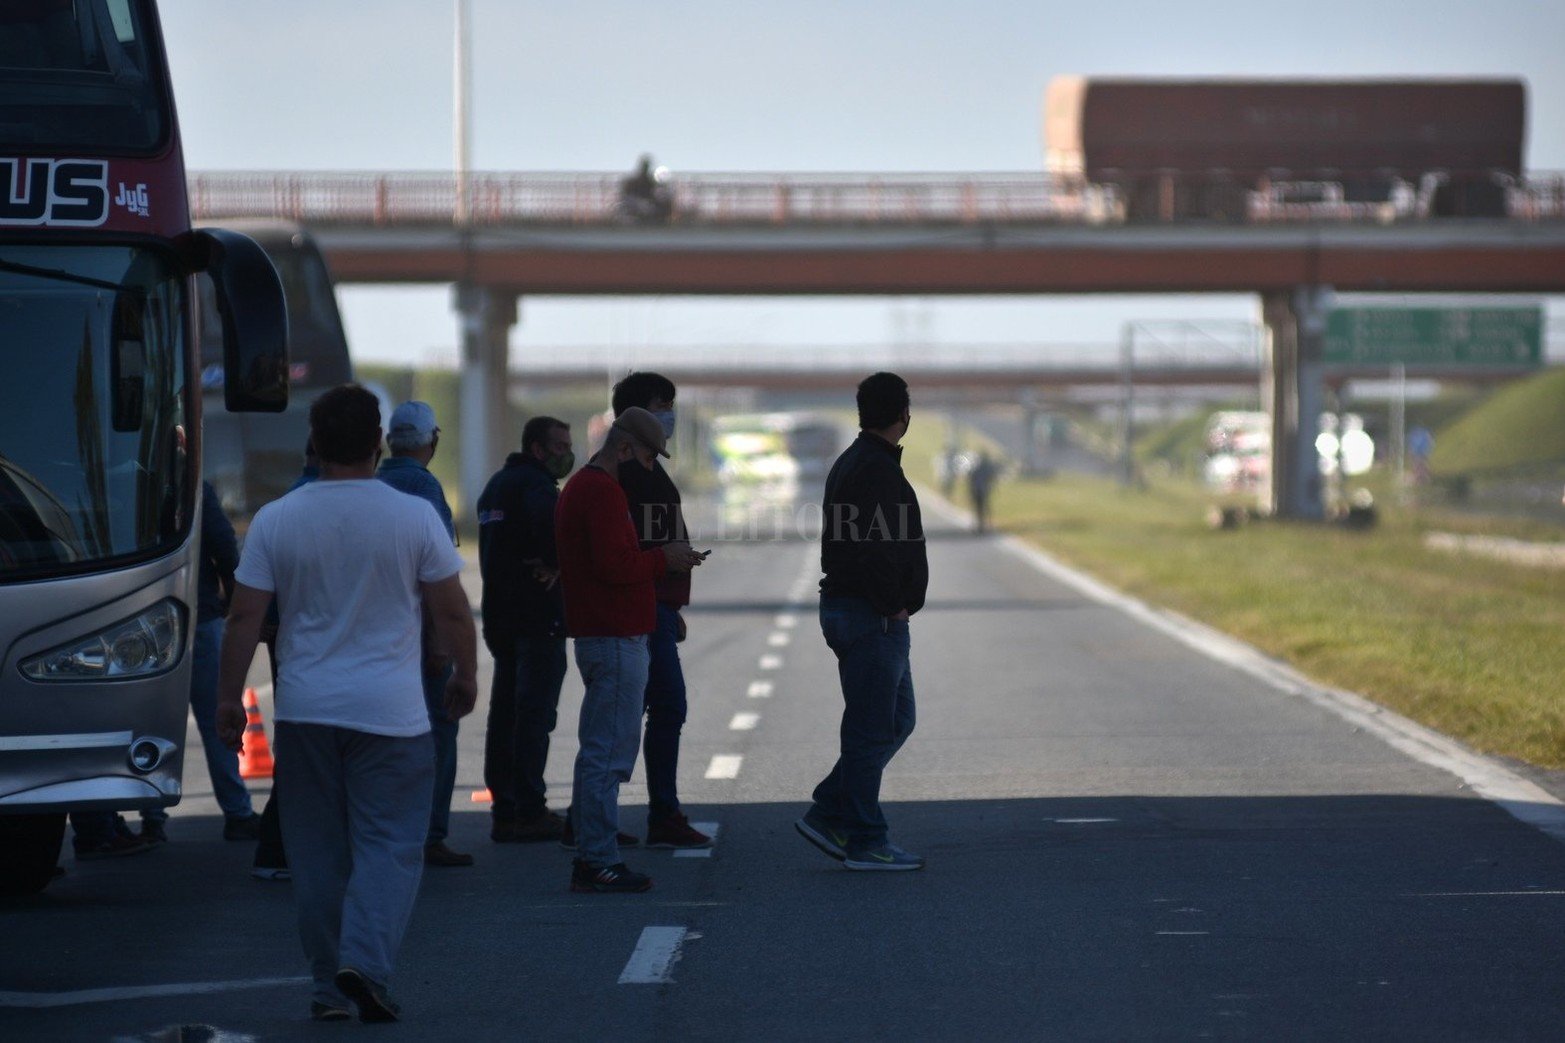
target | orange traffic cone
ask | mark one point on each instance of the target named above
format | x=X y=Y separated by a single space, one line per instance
x=255 y=758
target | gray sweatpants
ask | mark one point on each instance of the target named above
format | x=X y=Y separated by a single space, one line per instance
x=354 y=816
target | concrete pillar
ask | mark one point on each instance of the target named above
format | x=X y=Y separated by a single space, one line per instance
x=1295 y=331
x=486 y=315
x=1031 y=414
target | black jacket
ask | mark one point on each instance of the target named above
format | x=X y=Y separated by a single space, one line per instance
x=872 y=546
x=659 y=517
x=515 y=525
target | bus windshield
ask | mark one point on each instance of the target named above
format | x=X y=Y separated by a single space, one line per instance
x=79 y=74
x=93 y=462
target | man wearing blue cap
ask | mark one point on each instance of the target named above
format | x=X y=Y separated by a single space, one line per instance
x=413 y=438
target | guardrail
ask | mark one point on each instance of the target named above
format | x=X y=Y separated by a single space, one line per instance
x=508 y=199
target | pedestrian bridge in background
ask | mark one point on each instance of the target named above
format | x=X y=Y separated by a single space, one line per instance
x=544 y=233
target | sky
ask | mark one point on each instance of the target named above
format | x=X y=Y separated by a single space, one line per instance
x=868 y=85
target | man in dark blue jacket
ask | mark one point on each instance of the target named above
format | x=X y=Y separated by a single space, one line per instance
x=413 y=438
x=219 y=558
x=524 y=628
x=876 y=574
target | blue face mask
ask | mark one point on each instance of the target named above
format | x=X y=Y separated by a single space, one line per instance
x=666 y=418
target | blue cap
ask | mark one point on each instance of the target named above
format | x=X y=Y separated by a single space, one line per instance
x=413 y=418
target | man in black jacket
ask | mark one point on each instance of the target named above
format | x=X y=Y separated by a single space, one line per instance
x=876 y=573
x=524 y=627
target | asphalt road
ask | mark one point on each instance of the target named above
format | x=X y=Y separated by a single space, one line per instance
x=1126 y=840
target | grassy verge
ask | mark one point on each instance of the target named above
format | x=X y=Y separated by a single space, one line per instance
x=1468 y=646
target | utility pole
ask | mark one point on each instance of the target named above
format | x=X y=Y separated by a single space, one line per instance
x=461 y=88
x=1127 y=403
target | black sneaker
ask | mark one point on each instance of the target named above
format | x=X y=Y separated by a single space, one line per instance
x=438 y=854
x=115 y=846
x=239 y=827
x=568 y=837
x=153 y=831
x=374 y=1004
x=609 y=879
x=675 y=831
x=824 y=835
x=887 y=858
x=546 y=825
x=328 y=1012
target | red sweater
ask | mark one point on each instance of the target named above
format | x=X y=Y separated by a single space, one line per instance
x=606 y=577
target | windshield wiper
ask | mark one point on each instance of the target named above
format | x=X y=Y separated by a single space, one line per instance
x=59 y=275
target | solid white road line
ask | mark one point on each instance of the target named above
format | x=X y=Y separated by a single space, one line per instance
x=1083 y=821
x=771 y=662
x=38 y=1000
x=779 y=639
x=652 y=962
x=760 y=690
x=744 y=722
x=710 y=829
x=1523 y=799
x=724 y=766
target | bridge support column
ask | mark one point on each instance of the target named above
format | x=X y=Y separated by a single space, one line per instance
x=1295 y=332
x=487 y=314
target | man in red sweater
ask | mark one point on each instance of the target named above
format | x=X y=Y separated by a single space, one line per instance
x=610 y=608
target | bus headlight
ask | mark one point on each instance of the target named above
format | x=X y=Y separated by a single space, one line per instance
x=142 y=646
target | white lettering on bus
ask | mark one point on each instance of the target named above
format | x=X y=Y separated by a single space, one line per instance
x=71 y=193
x=134 y=199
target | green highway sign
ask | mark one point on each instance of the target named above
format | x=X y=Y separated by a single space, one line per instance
x=1460 y=337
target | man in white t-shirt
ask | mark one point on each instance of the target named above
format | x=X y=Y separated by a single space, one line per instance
x=348 y=560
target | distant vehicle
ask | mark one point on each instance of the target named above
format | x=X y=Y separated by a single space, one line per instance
x=775 y=447
x=251 y=459
x=1170 y=149
x=99 y=444
x=1239 y=454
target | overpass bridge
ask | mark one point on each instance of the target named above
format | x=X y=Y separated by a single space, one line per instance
x=498 y=236
x=1235 y=361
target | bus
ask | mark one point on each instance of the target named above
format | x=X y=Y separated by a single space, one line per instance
x=253 y=458
x=100 y=417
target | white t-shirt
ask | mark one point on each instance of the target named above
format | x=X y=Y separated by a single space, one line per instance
x=345 y=560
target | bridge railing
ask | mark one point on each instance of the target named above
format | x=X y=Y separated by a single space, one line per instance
x=858 y=358
x=501 y=199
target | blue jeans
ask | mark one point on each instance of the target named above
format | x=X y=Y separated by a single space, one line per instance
x=354 y=825
x=877 y=715
x=442 y=730
x=614 y=670
x=524 y=701
x=222 y=763
x=665 y=706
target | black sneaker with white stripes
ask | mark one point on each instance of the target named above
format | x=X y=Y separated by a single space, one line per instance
x=608 y=879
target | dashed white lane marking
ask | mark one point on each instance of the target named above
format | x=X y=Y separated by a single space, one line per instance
x=771 y=662
x=1083 y=821
x=653 y=960
x=786 y=621
x=38 y=1000
x=760 y=690
x=710 y=829
x=744 y=722
x=779 y=639
x=724 y=766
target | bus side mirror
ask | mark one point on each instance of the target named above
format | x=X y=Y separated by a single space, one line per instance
x=254 y=316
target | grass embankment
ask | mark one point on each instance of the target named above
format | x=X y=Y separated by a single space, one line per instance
x=1468 y=646
x=1521 y=427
